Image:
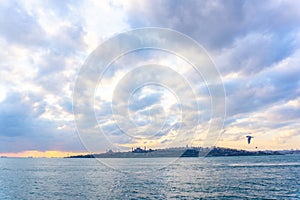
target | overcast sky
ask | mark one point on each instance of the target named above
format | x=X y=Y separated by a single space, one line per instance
x=255 y=46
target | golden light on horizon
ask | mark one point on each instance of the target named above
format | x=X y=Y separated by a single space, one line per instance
x=41 y=154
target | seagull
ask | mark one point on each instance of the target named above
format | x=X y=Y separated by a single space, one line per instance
x=249 y=138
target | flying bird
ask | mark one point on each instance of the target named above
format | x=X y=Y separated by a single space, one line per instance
x=249 y=137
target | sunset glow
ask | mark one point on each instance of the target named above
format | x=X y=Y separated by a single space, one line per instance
x=41 y=154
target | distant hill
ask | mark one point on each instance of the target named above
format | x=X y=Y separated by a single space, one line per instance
x=179 y=152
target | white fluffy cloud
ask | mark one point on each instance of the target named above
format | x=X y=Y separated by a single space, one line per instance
x=44 y=45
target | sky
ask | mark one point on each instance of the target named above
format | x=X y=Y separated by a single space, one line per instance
x=254 y=46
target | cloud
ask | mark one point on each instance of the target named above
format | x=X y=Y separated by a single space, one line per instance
x=45 y=44
x=257 y=56
x=18 y=26
x=216 y=24
x=23 y=128
x=276 y=84
x=139 y=102
x=254 y=52
x=285 y=136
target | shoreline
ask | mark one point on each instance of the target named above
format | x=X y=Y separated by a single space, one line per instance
x=179 y=152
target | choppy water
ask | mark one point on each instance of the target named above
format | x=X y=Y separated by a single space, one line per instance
x=264 y=177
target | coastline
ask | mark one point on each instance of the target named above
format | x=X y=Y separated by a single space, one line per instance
x=180 y=152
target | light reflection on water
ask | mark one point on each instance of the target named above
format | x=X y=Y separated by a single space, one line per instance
x=272 y=177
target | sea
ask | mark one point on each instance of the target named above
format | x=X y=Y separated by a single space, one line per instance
x=238 y=177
